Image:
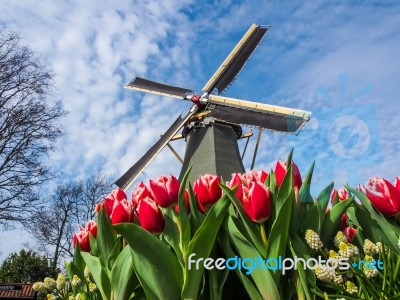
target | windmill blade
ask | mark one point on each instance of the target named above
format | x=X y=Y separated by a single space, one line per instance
x=144 y=85
x=126 y=180
x=235 y=61
x=277 y=118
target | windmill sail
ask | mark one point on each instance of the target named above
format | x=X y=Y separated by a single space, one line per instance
x=235 y=61
x=125 y=181
x=144 y=85
x=267 y=116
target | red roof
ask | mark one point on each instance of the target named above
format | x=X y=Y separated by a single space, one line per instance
x=10 y=291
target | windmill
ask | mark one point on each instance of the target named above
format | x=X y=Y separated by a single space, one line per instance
x=213 y=124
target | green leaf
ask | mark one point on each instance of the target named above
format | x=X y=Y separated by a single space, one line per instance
x=312 y=220
x=271 y=183
x=93 y=245
x=279 y=232
x=322 y=202
x=251 y=227
x=156 y=267
x=284 y=191
x=201 y=245
x=247 y=283
x=106 y=237
x=379 y=218
x=289 y=158
x=263 y=278
x=332 y=220
x=306 y=276
x=304 y=192
x=368 y=226
x=123 y=277
x=78 y=263
x=171 y=234
x=114 y=253
x=196 y=216
x=99 y=273
x=183 y=217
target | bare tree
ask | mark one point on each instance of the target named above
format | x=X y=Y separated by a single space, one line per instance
x=72 y=203
x=28 y=127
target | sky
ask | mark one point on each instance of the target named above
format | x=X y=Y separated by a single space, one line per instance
x=338 y=60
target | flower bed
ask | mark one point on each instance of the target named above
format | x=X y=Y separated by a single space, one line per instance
x=258 y=236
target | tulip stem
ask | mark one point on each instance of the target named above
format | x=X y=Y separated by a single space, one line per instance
x=263 y=234
x=296 y=196
x=396 y=270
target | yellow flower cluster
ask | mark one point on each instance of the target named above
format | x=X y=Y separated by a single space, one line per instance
x=40 y=287
x=368 y=271
x=351 y=288
x=348 y=250
x=61 y=282
x=370 y=248
x=313 y=240
x=325 y=274
x=339 y=238
x=75 y=280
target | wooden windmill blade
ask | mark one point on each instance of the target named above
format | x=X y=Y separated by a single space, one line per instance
x=235 y=61
x=126 y=180
x=277 y=118
x=153 y=87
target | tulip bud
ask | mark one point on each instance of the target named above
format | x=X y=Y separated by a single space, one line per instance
x=384 y=196
x=122 y=212
x=91 y=226
x=236 y=181
x=257 y=202
x=108 y=203
x=141 y=191
x=187 y=202
x=82 y=238
x=150 y=216
x=207 y=190
x=254 y=175
x=343 y=221
x=280 y=172
x=349 y=233
x=165 y=191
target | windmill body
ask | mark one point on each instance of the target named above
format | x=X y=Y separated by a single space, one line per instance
x=213 y=124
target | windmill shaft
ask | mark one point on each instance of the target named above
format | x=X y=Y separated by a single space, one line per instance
x=212 y=149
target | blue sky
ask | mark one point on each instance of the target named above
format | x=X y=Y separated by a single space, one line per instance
x=337 y=60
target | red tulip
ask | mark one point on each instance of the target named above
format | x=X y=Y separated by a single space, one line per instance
x=280 y=172
x=108 y=203
x=82 y=237
x=187 y=202
x=349 y=233
x=341 y=193
x=91 y=226
x=237 y=180
x=141 y=191
x=257 y=202
x=122 y=212
x=165 y=191
x=253 y=175
x=343 y=221
x=384 y=196
x=150 y=216
x=397 y=183
x=207 y=190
